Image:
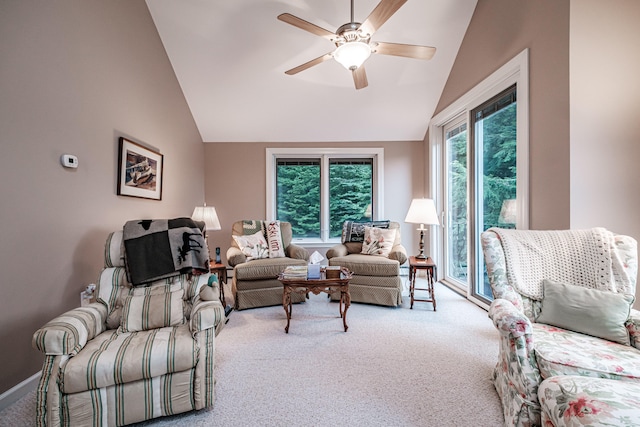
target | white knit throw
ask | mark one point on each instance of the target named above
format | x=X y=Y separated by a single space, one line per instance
x=586 y=258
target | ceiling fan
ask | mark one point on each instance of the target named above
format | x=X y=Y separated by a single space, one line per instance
x=353 y=41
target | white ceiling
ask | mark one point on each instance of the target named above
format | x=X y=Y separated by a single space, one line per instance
x=230 y=57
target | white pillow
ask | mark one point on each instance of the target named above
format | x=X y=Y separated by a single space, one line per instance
x=274 y=239
x=254 y=246
x=378 y=241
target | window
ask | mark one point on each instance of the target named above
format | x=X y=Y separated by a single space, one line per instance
x=479 y=165
x=316 y=190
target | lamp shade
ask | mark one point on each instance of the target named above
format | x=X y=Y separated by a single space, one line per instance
x=208 y=215
x=508 y=212
x=422 y=211
x=352 y=55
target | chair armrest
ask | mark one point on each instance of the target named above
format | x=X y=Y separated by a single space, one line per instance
x=508 y=320
x=68 y=333
x=206 y=315
x=399 y=253
x=235 y=256
x=633 y=326
x=337 y=251
x=297 y=252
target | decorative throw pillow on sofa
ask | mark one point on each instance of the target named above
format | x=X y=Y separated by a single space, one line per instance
x=254 y=246
x=378 y=241
x=152 y=307
x=353 y=231
x=274 y=239
x=593 y=312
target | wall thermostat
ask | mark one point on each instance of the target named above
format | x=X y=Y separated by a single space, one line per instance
x=69 y=161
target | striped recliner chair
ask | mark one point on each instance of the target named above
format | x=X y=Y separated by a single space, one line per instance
x=135 y=354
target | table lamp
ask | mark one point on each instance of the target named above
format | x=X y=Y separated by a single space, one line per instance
x=422 y=211
x=208 y=215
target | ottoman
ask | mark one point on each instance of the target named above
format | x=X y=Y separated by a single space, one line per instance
x=586 y=401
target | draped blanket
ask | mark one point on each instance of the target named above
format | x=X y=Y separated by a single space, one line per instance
x=157 y=249
x=587 y=258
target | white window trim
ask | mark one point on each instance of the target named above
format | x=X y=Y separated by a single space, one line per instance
x=377 y=154
x=516 y=71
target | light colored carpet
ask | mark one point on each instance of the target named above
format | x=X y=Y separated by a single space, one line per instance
x=394 y=367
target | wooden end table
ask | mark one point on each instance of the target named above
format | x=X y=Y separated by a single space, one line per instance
x=302 y=285
x=427 y=264
x=220 y=270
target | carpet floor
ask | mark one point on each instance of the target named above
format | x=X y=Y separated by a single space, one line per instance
x=394 y=367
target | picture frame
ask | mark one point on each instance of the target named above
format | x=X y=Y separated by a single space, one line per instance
x=139 y=171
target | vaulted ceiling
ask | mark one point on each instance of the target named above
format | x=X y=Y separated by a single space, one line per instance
x=230 y=57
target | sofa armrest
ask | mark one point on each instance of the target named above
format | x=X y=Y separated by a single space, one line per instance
x=508 y=320
x=399 y=253
x=235 y=256
x=633 y=326
x=337 y=251
x=297 y=252
x=68 y=333
x=206 y=315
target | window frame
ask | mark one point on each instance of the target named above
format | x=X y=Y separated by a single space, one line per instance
x=325 y=155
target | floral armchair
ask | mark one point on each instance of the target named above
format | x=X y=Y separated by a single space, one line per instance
x=135 y=354
x=538 y=343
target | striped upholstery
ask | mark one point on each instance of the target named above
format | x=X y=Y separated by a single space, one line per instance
x=97 y=374
x=152 y=307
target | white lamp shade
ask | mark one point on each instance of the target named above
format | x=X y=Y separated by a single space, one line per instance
x=208 y=215
x=508 y=212
x=422 y=211
x=352 y=55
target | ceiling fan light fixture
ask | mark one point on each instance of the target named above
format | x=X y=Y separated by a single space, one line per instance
x=352 y=55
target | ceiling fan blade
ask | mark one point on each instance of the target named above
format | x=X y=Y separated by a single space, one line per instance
x=307 y=26
x=360 y=77
x=383 y=11
x=309 y=64
x=406 y=50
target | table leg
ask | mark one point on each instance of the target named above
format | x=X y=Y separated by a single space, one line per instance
x=431 y=290
x=346 y=296
x=412 y=284
x=286 y=304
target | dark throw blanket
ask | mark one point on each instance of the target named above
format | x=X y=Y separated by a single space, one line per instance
x=157 y=249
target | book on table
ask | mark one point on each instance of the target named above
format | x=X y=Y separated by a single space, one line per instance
x=295 y=272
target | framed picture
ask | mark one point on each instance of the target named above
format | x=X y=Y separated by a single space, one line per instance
x=139 y=171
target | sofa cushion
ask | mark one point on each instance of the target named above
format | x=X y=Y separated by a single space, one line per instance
x=353 y=231
x=563 y=352
x=152 y=307
x=274 y=239
x=588 y=311
x=366 y=265
x=118 y=358
x=260 y=269
x=581 y=401
x=254 y=246
x=378 y=241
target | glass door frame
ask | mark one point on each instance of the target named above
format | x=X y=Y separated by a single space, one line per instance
x=516 y=71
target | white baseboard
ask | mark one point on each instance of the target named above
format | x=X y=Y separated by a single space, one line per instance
x=16 y=392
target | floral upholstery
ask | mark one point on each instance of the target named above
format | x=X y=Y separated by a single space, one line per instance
x=530 y=352
x=576 y=401
x=97 y=374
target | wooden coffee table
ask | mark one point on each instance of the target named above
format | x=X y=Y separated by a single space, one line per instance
x=303 y=286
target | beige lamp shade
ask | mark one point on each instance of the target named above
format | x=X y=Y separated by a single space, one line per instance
x=208 y=215
x=422 y=211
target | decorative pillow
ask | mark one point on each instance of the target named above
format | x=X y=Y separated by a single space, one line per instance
x=593 y=312
x=378 y=241
x=152 y=307
x=353 y=231
x=254 y=246
x=274 y=239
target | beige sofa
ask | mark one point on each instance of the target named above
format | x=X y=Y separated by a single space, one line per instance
x=376 y=279
x=255 y=282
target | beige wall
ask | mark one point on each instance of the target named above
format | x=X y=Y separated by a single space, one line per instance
x=236 y=172
x=605 y=115
x=74 y=76
x=499 y=30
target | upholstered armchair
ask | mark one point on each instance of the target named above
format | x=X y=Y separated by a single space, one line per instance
x=562 y=307
x=259 y=251
x=134 y=354
x=376 y=269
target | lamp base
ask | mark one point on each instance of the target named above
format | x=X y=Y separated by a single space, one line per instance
x=421 y=256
